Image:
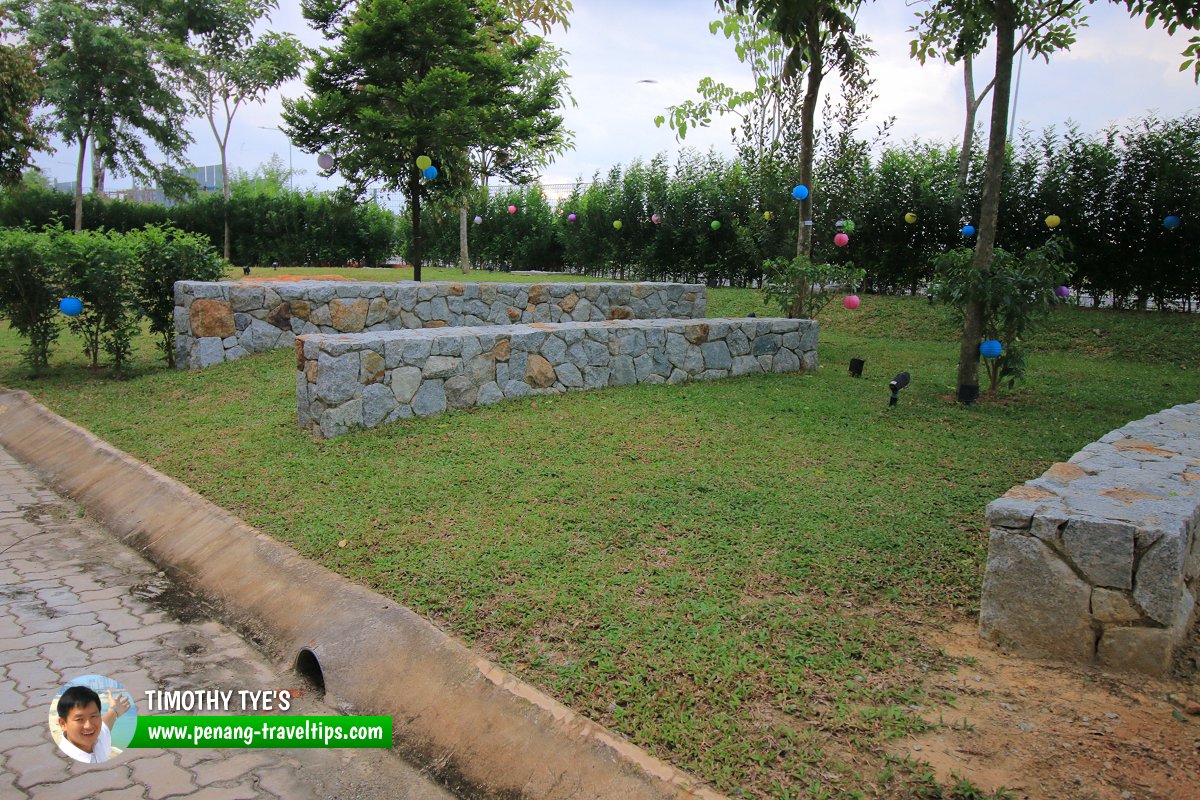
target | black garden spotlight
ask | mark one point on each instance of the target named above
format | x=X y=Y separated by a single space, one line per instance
x=898 y=383
x=856 y=367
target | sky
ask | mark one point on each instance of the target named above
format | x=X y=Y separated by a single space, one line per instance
x=1117 y=71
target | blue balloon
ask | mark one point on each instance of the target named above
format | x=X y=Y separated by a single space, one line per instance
x=71 y=306
x=991 y=349
x=430 y=172
x=968 y=230
x=800 y=192
x=1172 y=222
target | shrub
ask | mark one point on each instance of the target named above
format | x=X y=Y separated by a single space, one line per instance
x=802 y=288
x=163 y=256
x=29 y=294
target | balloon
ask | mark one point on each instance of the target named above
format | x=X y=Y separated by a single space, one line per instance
x=848 y=225
x=991 y=349
x=71 y=306
x=571 y=218
x=325 y=161
x=841 y=240
x=424 y=162
x=968 y=230
x=512 y=209
x=767 y=216
x=800 y=192
x=840 y=225
x=851 y=302
x=1053 y=221
x=910 y=218
x=617 y=224
x=478 y=220
x=1063 y=292
x=430 y=172
x=655 y=218
x=715 y=224
x=1172 y=222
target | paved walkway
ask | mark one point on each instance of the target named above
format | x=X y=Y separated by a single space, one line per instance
x=74 y=601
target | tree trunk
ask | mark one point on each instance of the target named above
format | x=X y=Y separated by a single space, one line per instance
x=808 y=113
x=97 y=170
x=464 y=255
x=83 y=143
x=225 y=195
x=414 y=194
x=968 y=138
x=989 y=214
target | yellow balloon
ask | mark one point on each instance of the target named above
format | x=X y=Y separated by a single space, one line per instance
x=424 y=162
x=910 y=218
x=1052 y=221
x=767 y=216
x=617 y=224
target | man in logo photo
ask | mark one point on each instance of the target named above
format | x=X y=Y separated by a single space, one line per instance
x=87 y=734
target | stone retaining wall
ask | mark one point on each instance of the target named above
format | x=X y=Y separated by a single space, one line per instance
x=1098 y=560
x=347 y=382
x=217 y=322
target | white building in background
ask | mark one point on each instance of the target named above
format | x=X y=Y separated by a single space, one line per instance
x=208 y=178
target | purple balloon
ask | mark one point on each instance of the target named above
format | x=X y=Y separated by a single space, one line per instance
x=570 y=218
x=1063 y=292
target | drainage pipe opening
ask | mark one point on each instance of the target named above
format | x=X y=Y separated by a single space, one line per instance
x=308 y=668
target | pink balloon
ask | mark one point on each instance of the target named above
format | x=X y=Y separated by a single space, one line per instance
x=655 y=218
x=512 y=209
x=841 y=240
x=570 y=217
x=851 y=302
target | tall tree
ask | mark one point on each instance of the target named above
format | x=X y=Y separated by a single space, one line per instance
x=20 y=90
x=111 y=72
x=524 y=133
x=819 y=35
x=406 y=78
x=232 y=66
x=969 y=22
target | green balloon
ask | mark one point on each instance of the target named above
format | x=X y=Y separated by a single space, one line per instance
x=617 y=224
x=848 y=226
x=424 y=162
x=716 y=223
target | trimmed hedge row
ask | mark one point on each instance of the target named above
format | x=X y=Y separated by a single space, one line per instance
x=292 y=228
x=1112 y=193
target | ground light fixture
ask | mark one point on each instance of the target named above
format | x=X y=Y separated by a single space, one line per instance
x=897 y=383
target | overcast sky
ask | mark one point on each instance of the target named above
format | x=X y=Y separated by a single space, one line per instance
x=1117 y=71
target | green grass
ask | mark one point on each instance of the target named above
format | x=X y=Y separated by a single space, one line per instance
x=737 y=575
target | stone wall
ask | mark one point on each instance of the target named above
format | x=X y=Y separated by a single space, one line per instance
x=217 y=322
x=1098 y=560
x=347 y=382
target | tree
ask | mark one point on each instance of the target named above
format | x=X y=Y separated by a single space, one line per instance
x=819 y=35
x=408 y=78
x=110 y=71
x=231 y=67
x=524 y=133
x=20 y=90
x=969 y=22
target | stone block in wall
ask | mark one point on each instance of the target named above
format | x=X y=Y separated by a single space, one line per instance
x=1034 y=602
x=1101 y=550
x=1159 y=586
x=1144 y=650
x=210 y=317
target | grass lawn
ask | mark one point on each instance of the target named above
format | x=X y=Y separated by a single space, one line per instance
x=736 y=575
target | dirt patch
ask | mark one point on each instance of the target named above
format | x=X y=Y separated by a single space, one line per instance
x=1050 y=731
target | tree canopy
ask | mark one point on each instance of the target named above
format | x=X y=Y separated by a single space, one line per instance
x=409 y=78
x=20 y=91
